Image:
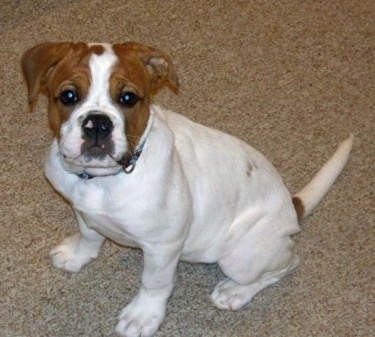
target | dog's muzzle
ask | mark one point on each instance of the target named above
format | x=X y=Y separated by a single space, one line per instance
x=97 y=132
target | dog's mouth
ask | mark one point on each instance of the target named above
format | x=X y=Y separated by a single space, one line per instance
x=93 y=163
x=96 y=162
x=96 y=153
x=98 y=158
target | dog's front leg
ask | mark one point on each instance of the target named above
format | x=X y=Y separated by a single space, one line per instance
x=143 y=316
x=79 y=249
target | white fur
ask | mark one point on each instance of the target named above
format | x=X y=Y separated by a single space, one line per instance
x=314 y=191
x=196 y=194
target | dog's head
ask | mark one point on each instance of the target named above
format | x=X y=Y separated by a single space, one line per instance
x=99 y=98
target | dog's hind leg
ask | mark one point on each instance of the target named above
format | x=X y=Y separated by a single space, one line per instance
x=230 y=295
x=255 y=260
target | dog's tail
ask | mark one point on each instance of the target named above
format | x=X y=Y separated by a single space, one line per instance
x=306 y=199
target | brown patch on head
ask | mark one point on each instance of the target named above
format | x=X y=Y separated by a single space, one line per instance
x=52 y=68
x=55 y=68
x=299 y=207
x=141 y=71
x=158 y=64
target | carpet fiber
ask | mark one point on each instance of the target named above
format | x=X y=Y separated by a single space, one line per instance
x=292 y=78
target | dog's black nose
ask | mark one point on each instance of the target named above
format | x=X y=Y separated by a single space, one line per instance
x=97 y=126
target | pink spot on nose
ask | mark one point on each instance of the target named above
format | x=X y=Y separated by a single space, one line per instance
x=89 y=124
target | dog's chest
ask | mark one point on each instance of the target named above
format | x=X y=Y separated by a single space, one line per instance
x=91 y=198
x=105 y=212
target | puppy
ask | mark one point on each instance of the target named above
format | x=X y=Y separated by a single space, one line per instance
x=149 y=178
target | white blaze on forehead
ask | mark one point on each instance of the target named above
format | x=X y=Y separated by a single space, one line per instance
x=100 y=67
x=99 y=101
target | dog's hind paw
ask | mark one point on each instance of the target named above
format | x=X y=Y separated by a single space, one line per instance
x=72 y=254
x=229 y=295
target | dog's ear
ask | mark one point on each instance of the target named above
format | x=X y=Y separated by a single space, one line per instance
x=38 y=62
x=158 y=65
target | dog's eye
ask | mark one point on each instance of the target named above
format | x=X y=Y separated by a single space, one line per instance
x=128 y=99
x=68 y=97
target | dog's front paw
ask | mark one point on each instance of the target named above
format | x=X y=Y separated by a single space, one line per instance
x=141 y=318
x=72 y=254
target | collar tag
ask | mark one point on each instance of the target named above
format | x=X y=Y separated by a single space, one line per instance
x=84 y=175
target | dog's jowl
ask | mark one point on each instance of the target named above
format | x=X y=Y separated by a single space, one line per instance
x=149 y=178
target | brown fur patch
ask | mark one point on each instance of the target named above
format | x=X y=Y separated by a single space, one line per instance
x=299 y=207
x=158 y=64
x=51 y=68
x=132 y=73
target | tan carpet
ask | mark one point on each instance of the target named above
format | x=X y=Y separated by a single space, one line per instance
x=292 y=78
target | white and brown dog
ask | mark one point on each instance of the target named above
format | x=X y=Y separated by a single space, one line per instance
x=149 y=178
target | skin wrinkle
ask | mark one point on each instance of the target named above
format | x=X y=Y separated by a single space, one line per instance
x=249 y=169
